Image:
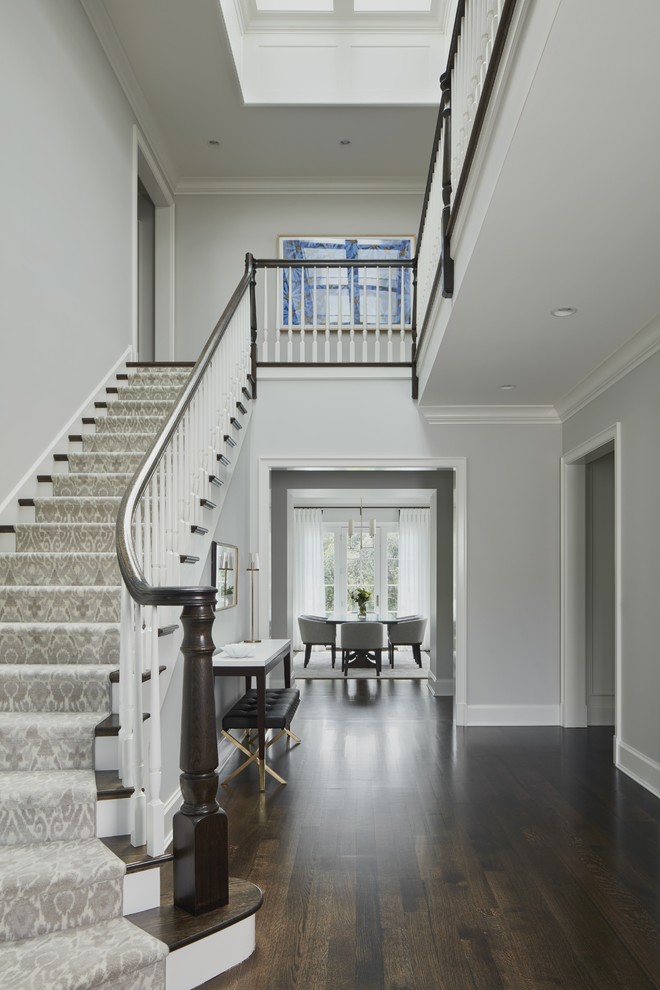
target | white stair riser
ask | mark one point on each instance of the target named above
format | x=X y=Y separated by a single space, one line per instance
x=194 y=964
x=113 y=817
x=141 y=890
x=106 y=753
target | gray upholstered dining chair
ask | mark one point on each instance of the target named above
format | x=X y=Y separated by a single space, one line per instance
x=315 y=630
x=408 y=631
x=361 y=640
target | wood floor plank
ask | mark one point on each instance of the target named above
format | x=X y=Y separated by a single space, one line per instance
x=407 y=854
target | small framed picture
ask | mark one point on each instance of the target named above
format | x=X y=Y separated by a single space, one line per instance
x=224 y=574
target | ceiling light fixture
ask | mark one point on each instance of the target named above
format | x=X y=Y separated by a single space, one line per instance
x=345 y=142
x=507 y=388
x=564 y=311
x=214 y=142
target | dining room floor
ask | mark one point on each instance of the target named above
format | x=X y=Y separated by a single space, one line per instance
x=406 y=853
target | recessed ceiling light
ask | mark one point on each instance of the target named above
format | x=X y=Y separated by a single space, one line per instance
x=564 y=311
x=214 y=143
x=345 y=142
x=507 y=388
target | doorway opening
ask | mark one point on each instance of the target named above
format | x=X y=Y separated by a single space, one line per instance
x=591 y=583
x=146 y=255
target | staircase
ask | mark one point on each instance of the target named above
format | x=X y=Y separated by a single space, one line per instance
x=61 y=923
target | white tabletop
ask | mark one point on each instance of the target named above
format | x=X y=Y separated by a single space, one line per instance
x=263 y=654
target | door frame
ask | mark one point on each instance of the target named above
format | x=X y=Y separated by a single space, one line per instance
x=573 y=706
x=145 y=166
x=260 y=530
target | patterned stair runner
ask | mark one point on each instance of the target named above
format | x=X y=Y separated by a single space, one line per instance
x=60 y=887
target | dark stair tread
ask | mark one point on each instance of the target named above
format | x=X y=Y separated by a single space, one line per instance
x=199 y=530
x=246 y=392
x=235 y=423
x=230 y=440
x=136 y=858
x=45 y=479
x=146 y=675
x=109 y=786
x=168 y=630
x=188 y=558
x=215 y=480
x=88 y=421
x=60 y=457
x=223 y=459
x=7 y=529
x=241 y=408
x=111 y=725
x=160 y=364
x=206 y=503
x=75 y=438
x=112 y=390
x=100 y=405
x=27 y=502
x=177 y=927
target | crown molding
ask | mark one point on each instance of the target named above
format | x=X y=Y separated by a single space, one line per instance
x=118 y=59
x=497 y=415
x=328 y=185
x=634 y=352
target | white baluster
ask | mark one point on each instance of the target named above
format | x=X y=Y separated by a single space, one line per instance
x=365 y=338
x=264 y=350
x=340 y=325
x=279 y=302
x=303 y=314
x=402 y=337
x=327 y=314
x=289 y=346
x=315 y=320
x=389 y=315
x=126 y=760
x=377 y=331
x=137 y=801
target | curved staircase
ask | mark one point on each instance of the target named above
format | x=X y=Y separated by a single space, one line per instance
x=61 y=887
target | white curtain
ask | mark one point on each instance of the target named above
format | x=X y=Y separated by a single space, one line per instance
x=415 y=566
x=308 y=574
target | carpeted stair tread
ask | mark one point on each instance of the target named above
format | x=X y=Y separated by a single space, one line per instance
x=60 y=643
x=129 y=424
x=46 y=806
x=24 y=603
x=48 y=741
x=36 y=687
x=159 y=376
x=57 y=886
x=117 y=442
x=66 y=537
x=100 y=462
x=48 y=568
x=149 y=392
x=112 y=954
x=140 y=407
x=72 y=509
x=91 y=485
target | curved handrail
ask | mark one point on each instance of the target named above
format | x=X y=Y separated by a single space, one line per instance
x=138 y=587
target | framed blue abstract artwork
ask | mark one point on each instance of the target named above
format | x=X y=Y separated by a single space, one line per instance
x=344 y=296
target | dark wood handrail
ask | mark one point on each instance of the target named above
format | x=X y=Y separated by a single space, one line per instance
x=139 y=589
x=338 y=263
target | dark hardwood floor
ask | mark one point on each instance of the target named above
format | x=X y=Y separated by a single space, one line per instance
x=405 y=853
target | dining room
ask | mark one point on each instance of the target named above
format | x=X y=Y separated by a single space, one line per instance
x=369 y=555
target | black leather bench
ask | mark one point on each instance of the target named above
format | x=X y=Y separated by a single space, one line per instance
x=280 y=707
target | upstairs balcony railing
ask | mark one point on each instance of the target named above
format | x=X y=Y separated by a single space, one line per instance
x=314 y=312
x=356 y=313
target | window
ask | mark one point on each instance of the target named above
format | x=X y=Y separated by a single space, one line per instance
x=375 y=567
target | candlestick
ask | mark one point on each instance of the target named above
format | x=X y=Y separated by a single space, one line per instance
x=252 y=570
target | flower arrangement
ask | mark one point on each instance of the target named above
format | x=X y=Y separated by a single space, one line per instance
x=361 y=596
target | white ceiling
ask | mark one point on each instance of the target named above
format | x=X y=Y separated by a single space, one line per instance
x=574 y=217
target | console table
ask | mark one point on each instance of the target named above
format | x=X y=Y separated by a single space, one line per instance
x=267 y=655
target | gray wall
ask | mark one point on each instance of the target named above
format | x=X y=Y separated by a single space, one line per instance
x=441 y=481
x=65 y=215
x=634 y=401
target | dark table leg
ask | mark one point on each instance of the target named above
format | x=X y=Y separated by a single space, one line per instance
x=287 y=669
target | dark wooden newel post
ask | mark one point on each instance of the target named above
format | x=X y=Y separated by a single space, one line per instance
x=201 y=849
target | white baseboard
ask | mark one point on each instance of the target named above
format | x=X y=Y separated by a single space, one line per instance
x=511 y=715
x=26 y=487
x=194 y=964
x=441 y=687
x=641 y=768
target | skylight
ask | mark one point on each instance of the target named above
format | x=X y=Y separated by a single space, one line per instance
x=392 y=6
x=295 y=6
